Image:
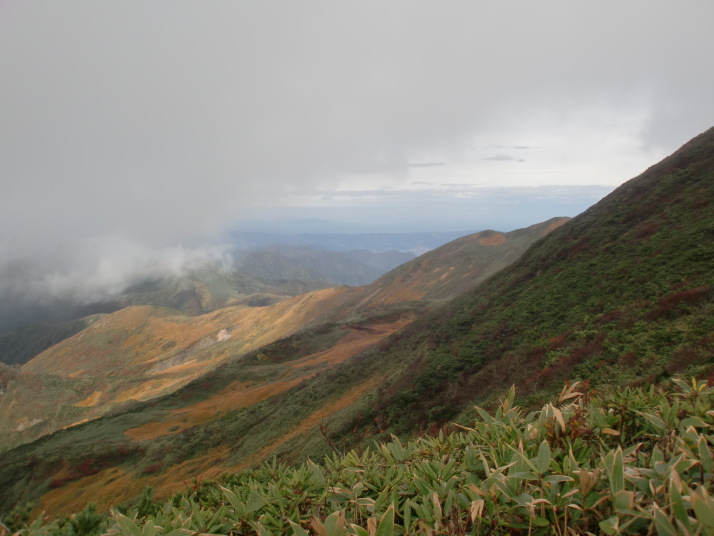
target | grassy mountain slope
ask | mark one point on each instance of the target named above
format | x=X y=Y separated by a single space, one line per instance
x=199 y=291
x=602 y=298
x=622 y=293
x=453 y=268
x=637 y=461
x=290 y=379
x=619 y=295
x=139 y=353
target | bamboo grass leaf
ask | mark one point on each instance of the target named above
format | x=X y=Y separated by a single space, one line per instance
x=703 y=506
x=663 y=524
x=386 y=524
x=610 y=526
x=616 y=472
x=127 y=527
x=543 y=458
x=297 y=529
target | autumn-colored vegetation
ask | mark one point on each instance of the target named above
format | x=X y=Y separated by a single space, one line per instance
x=635 y=461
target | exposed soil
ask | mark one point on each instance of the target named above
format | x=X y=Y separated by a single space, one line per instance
x=312 y=421
x=239 y=394
x=90 y=401
x=495 y=239
x=114 y=485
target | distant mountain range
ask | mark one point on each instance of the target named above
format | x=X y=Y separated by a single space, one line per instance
x=258 y=277
x=415 y=242
x=307 y=264
x=621 y=295
x=293 y=260
x=145 y=350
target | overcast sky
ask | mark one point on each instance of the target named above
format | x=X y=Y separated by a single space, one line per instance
x=135 y=126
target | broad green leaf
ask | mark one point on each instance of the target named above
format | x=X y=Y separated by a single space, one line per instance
x=335 y=524
x=658 y=423
x=705 y=454
x=694 y=421
x=558 y=478
x=610 y=525
x=318 y=477
x=679 y=508
x=543 y=458
x=616 y=472
x=623 y=500
x=260 y=529
x=407 y=513
x=663 y=524
x=127 y=527
x=149 y=528
x=703 y=506
x=386 y=525
x=297 y=529
x=540 y=522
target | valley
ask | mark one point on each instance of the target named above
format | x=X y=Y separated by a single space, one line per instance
x=620 y=295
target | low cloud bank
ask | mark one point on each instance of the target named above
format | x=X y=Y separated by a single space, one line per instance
x=85 y=277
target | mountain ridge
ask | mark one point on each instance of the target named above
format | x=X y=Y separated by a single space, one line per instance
x=620 y=295
x=141 y=352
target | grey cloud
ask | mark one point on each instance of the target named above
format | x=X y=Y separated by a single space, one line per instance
x=426 y=164
x=504 y=158
x=141 y=126
x=518 y=147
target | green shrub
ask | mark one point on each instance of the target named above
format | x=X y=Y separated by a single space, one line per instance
x=634 y=461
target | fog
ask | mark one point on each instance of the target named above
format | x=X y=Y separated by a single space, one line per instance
x=135 y=135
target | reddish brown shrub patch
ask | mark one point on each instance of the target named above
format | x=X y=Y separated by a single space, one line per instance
x=628 y=358
x=556 y=342
x=667 y=305
x=88 y=467
x=152 y=469
x=646 y=230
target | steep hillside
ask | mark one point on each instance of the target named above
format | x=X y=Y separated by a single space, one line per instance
x=138 y=353
x=199 y=291
x=581 y=464
x=455 y=267
x=620 y=295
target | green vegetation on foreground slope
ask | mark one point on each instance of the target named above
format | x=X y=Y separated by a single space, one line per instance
x=634 y=461
x=619 y=295
x=622 y=293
